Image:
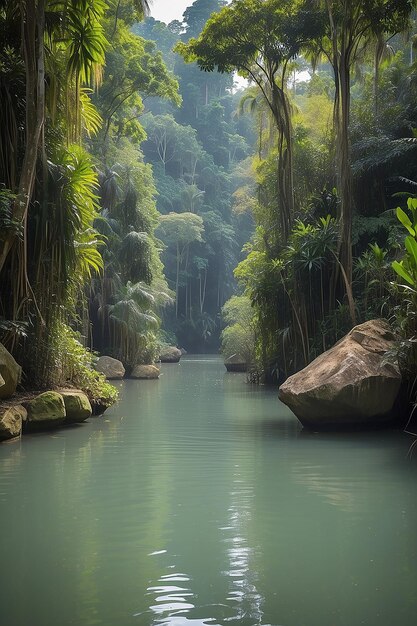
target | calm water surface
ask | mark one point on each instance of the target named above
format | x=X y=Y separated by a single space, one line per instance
x=198 y=500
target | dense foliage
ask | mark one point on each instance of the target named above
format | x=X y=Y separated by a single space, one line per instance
x=333 y=152
x=76 y=199
x=196 y=151
x=143 y=193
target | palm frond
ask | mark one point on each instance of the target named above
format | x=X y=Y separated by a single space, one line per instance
x=379 y=153
x=141 y=294
x=127 y=314
x=90 y=117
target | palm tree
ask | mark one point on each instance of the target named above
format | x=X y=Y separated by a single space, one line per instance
x=50 y=247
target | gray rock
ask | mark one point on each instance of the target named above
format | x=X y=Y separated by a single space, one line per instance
x=170 y=354
x=235 y=363
x=146 y=372
x=11 y=421
x=352 y=384
x=45 y=411
x=77 y=405
x=10 y=372
x=111 y=368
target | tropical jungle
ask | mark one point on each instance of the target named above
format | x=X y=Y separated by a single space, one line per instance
x=234 y=177
x=233 y=186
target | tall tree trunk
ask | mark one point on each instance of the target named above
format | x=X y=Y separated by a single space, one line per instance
x=261 y=128
x=33 y=27
x=341 y=114
x=204 y=290
x=177 y=281
x=282 y=118
x=379 y=53
x=345 y=169
x=190 y=305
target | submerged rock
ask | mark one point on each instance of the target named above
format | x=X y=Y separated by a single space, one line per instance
x=146 y=372
x=170 y=354
x=10 y=373
x=45 y=411
x=235 y=363
x=11 y=421
x=77 y=406
x=352 y=384
x=111 y=368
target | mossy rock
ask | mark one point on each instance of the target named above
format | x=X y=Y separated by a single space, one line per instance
x=77 y=406
x=10 y=373
x=11 y=421
x=45 y=411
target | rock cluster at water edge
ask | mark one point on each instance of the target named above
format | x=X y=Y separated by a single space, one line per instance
x=10 y=373
x=352 y=384
x=170 y=354
x=145 y=372
x=11 y=418
x=45 y=411
x=77 y=405
x=111 y=368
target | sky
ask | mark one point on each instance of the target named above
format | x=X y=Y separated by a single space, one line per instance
x=168 y=10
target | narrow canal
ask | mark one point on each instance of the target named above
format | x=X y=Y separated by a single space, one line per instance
x=199 y=500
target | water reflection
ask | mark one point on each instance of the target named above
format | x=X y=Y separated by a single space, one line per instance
x=339 y=493
x=242 y=573
x=197 y=501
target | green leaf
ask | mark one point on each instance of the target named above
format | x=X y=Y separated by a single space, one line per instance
x=412 y=203
x=405 y=221
x=411 y=247
x=399 y=269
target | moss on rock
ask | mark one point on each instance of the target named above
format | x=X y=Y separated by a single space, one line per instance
x=45 y=411
x=10 y=373
x=77 y=406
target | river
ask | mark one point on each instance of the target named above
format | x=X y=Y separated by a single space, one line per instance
x=199 y=500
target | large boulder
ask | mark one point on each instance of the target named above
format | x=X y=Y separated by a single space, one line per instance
x=145 y=372
x=45 y=411
x=170 y=354
x=111 y=368
x=11 y=421
x=10 y=373
x=77 y=406
x=352 y=384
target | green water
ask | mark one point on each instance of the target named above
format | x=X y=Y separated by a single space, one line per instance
x=198 y=500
